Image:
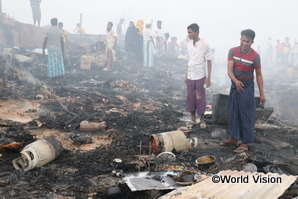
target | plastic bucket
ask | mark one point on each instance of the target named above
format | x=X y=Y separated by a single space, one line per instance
x=86 y=62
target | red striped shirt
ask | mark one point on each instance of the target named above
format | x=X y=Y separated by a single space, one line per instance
x=244 y=64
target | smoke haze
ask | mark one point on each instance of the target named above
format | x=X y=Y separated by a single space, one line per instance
x=220 y=21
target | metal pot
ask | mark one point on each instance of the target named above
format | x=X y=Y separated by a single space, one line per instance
x=204 y=162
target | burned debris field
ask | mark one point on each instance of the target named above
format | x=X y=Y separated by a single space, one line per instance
x=130 y=104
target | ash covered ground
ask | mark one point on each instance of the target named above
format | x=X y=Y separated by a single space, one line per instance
x=134 y=102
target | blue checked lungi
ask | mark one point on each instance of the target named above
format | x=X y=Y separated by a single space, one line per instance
x=241 y=112
x=148 y=53
x=55 y=64
x=196 y=96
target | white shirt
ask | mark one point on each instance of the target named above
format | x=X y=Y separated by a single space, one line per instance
x=159 y=33
x=198 y=55
x=111 y=39
x=146 y=34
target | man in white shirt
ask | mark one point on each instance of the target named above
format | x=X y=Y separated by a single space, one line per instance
x=148 y=46
x=110 y=46
x=160 y=38
x=196 y=77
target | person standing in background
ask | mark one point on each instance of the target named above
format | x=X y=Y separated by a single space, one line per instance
x=269 y=50
x=110 y=46
x=64 y=52
x=167 y=36
x=183 y=46
x=148 y=46
x=278 y=49
x=54 y=41
x=294 y=53
x=139 y=41
x=79 y=29
x=173 y=47
x=286 y=48
x=120 y=35
x=130 y=35
x=36 y=12
x=159 y=36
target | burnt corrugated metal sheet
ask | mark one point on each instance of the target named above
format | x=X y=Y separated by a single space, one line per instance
x=151 y=181
x=241 y=185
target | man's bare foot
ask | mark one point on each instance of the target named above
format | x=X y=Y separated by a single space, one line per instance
x=241 y=148
x=203 y=124
x=228 y=142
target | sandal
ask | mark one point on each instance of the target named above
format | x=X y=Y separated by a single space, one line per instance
x=192 y=122
x=241 y=150
x=226 y=143
x=203 y=125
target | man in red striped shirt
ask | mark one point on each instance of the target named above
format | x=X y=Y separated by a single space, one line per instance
x=241 y=110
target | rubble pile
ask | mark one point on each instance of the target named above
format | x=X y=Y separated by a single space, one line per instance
x=14 y=33
x=120 y=110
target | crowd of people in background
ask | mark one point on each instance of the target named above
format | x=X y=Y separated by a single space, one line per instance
x=143 y=42
x=285 y=52
x=146 y=42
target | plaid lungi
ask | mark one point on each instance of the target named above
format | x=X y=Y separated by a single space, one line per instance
x=196 y=96
x=55 y=64
x=160 y=46
x=241 y=112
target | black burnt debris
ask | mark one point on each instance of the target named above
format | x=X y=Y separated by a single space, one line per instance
x=133 y=102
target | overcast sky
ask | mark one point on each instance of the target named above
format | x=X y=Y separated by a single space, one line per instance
x=220 y=21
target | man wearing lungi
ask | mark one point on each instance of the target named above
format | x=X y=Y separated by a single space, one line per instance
x=241 y=110
x=196 y=78
x=54 y=41
x=160 y=38
x=111 y=42
x=148 y=46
